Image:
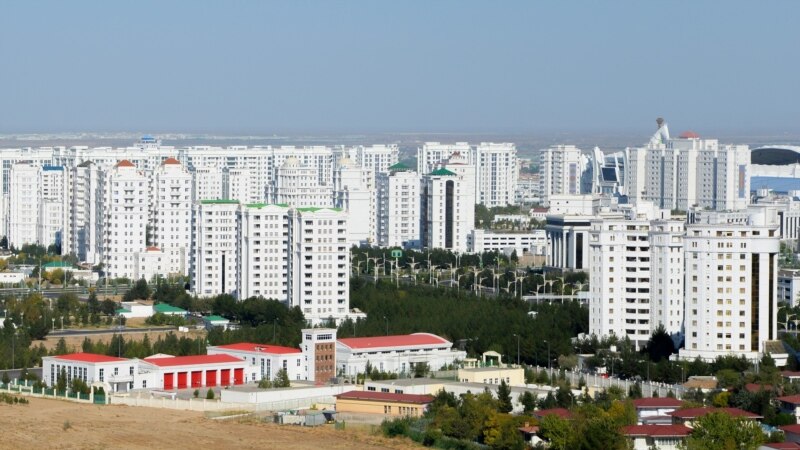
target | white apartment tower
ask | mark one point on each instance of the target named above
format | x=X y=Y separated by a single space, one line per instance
x=214 y=251
x=83 y=230
x=561 y=169
x=237 y=185
x=123 y=207
x=377 y=158
x=263 y=251
x=354 y=192
x=398 y=205
x=172 y=218
x=497 y=173
x=731 y=300
x=23 y=212
x=320 y=263
x=298 y=185
x=52 y=221
x=447 y=210
x=207 y=183
x=433 y=154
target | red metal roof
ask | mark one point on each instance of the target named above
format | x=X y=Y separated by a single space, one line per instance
x=793 y=428
x=656 y=430
x=753 y=387
x=402 y=340
x=193 y=360
x=782 y=445
x=657 y=402
x=259 y=348
x=171 y=161
x=529 y=429
x=689 y=135
x=560 y=412
x=790 y=373
x=153 y=249
x=692 y=413
x=90 y=358
x=125 y=163
x=795 y=399
x=386 y=397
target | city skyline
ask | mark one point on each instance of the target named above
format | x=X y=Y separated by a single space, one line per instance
x=263 y=68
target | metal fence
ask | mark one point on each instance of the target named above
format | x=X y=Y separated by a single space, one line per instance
x=600 y=382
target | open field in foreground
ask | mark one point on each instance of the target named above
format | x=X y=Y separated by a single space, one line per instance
x=60 y=424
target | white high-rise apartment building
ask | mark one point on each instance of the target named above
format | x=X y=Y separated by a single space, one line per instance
x=320 y=262
x=561 y=169
x=447 y=210
x=354 y=192
x=398 y=205
x=433 y=154
x=263 y=251
x=83 y=199
x=298 y=185
x=636 y=273
x=497 y=173
x=172 y=218
x=237 y=184
x=731 y=303
x=688 y=172
x=23 y=216
x=377 y=158
x=207 y=183
x=123 y=204
x=214 y=248
x=52 y=199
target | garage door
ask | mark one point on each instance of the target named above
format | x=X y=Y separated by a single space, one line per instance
x=182 y=380
x=197 y=378
x=238 y=376
x=225 y=377
x=211 y=378
x=168 y=380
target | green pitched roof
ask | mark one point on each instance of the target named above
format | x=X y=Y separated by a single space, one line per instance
x=164 y=308
x=262 y=205
x=442 y=171
x=56 y=264
x=399 y=167
x=316 y=208
x=214 y=318
x=220 y=202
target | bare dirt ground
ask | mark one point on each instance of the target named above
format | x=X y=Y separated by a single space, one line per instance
x=66 y=425
x=74 y=342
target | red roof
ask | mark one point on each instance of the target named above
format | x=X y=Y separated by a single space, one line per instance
x=560 y=412
x=689 y=135
x=692 y=413
x=657 y=402
x=402 y=340
x=90 y=358
x=790 y=373
x=193 y=360
x=529 y=429
x=153 y=249
x=794 y=399
x=259 y=348
x=753 y=387
x=656 y=430
x=782 y=445
x=125 y=163
x=171 y=161
x=794 y=428
x=386 y=397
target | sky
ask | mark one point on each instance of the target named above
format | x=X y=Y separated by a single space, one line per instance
x=262 y=67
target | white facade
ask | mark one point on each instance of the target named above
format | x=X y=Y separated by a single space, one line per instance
x=377 y=158
x=214 y=248
x=320 y=263
x=395 y=354
x=117 y=373
x=789 y=286
x=263 y=251
x=237 y=184
x=156 y=262
x=266 y=360
x=354 y=192
x=123 y=201
x=207 y=183
x=433 y=154
x=497 y=172
x=298 y=185
x=560 y=170
x=731 y=288
x=398 y=208
x=533 y=242
x=82 y=229
x=447 y=209
x=23 y=216
x=172 y=214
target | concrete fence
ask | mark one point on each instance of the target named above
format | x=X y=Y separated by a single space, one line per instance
x=192 y=404
x=29 y=391
x=598 y=382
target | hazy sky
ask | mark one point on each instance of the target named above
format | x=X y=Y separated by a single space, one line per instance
x=379 y=66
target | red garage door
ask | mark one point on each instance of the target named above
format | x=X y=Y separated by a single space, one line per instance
x=238 y=376
x=197 y=378
x=225 y=377
x=182 y=380
x=168 y=380
x=211 y=378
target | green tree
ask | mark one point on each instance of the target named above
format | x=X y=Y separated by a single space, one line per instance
x=528 y=401
x=421 y=370
x=265 y=383
x=210 y=394
x=282 y=379
x=61 y=381
x=558 y=432
x=504 y=397
x=635 y=390
x=139 y=291
x=720 y=431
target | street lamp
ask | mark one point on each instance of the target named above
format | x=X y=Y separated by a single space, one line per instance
x=387 y=324
x=515 y=334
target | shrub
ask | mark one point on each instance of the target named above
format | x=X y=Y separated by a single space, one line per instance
x=196 y=393
x=210 y=394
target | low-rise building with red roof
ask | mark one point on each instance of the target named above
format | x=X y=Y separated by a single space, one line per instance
x=791 y=432
x=663 y=437
x=687 y=416
x=181 y=372
x=655 y=410
x=116 y=373
x=265 y=360
x=562 y=413
x=790 y=404
x=395 y=354
x=386 y=403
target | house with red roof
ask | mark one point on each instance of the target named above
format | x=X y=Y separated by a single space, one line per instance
x=662 y=437
x=780 y=446
x=790 y=404
x=395 y=354
x=655 y=410
x=562 y=413
x=117 y=373
x=688 y=416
